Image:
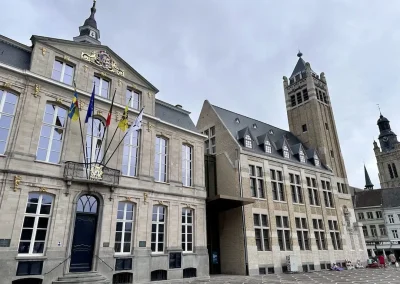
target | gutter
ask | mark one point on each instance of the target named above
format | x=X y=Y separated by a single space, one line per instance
x=246 y=257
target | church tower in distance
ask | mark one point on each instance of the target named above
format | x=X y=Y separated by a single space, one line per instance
x=310 y=115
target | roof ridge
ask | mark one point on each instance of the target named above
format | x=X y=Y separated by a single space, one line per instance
x=164 y=103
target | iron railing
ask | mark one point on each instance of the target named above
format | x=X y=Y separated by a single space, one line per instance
x=91 y=172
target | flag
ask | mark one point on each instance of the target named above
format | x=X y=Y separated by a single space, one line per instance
x=90 y=109
x=123 y=123
x=137 y=125
x=74 y=108
x=108 y=121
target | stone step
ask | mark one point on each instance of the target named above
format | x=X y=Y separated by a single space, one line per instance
x=82 y=278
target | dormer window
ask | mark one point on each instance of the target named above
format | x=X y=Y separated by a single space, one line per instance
x=316 y=161
x=286 y=152
x=268 y=148
x=302 y=157
x=237 y=120
x=247 y=141
x=63 y=72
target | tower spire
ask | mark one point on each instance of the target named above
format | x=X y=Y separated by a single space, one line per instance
x=89 y=32
x=368 y=183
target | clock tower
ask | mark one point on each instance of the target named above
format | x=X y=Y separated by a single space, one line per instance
x=89 y=32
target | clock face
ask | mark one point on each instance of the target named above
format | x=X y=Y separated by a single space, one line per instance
x=92 y=34
x=385 y=139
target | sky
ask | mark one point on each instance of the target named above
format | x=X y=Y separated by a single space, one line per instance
x=234 y=53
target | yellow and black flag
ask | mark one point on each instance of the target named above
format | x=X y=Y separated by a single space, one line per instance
x=123 y=123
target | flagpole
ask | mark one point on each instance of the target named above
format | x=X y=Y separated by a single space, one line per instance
x=109 y=144
x=116 y=148
x=92 y=117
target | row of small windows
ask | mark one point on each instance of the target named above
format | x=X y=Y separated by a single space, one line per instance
x=392 y=171
x=263 y=233
x=209 y=144
x=374 y=232
x=64 y=73
x=322 y=96
x=52 y=135
x=298 y=77
x=299 y=97
x=370 y=215
x=39 y=210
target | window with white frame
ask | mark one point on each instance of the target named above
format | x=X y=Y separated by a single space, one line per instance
x=133 y=98
x=391 y=219
x=210 y=141
x=63 y=72
x=295 y=186
x=94 y=149
x=370 y=215
x=8 y=102
x=256 y=181
x=372 y=228
x=124 y=227
x=268 y=147
x=102 y=86
x=313 y=191
x=278 y=192
x=316 y=161
x=131 y=153
x=382 y=230
x=248 y=143
x=283 y=230
x=365 y=231
x=302 y=156
x=187 y=162
x=378 y=214
x=158 y=229
x=319 y=233
x=36 y=224
x=394 y=234
x=51 y=134
x=302 y=233
x=187 y=230
x=335 y=234
x=360 y=216
x=161 y=159
x=286 y=152
x=261 y=229
x=327 y=192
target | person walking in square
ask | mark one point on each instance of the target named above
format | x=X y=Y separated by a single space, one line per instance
x=382 y=262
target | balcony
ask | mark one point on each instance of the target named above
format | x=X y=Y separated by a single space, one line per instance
x=91 y=173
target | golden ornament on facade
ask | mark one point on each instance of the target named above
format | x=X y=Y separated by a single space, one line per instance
x=66 y=57
x=85 y=68
x=17 y=181
x=36 y=91
x=103 y=74
x=145 y=196
x=99 y=112
x=43 y=189
x=6 y=85
x=149 y=94
x=119 y=82
x=149 y=126
x=59 y=100
x=43 y=49
x=104 y=60
x=128 y=198
x=81 y=104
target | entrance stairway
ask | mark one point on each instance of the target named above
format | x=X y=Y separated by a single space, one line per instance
x=82 y=278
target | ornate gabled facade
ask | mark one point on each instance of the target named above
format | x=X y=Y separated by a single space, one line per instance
x=135 y=216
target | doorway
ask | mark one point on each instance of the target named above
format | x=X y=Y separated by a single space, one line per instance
x=85 y=227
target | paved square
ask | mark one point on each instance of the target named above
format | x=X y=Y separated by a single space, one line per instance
x=387 y=276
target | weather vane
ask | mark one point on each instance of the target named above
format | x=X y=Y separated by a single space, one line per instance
x=379 y=108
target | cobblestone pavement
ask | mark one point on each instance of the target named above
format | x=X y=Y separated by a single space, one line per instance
x=359 y=276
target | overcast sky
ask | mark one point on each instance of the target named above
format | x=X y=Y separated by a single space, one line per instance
x=235 y=52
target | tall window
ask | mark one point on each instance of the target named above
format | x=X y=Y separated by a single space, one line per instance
x=302 y=156
x=187 y=230
x=378 y=214
x=63 y=72
x=390 y=171
x=124 y=228
x=395 y=235
x=313 y=191
x=247 y=141
x=210 y=141
x=373 y=230
x=261 y=229
x=51 y=134
x=187 y=162
x=361 y=216
x=316 y=161
x=319 y=233
x=268 y=147
x=327 y=191
x=283 y=230
x=295 y=186
x=134 y=97
x=130 y=154
x=382 y=230
x=394 y=170
x=278 y=192
x=94 y=147
x=302 y=233
x=365 y=231
x=161 y=159
x=8 y=102
x=257 y=182
x=370 y=215
x=158 y=229
x=286 y=152
x=102 y=86
x=391 y=219
x=36 y=224
x=335 y=234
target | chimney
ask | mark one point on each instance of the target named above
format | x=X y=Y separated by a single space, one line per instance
x=178 y=106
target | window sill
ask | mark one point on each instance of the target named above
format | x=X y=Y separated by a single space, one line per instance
x=123 y=255
x=162 y=182
x=297 y=203
x=47 y=163
x=259 y=198
x=188 y=186
x=317 y=206
x=30 y=257
x=134 y=177
x=279 y=201
x=159 y=254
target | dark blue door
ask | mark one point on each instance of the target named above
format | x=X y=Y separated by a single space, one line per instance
x=84 y=235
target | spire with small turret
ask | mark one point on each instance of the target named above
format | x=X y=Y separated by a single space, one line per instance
x=387 y=138
x=89 y=32
x=368 y=183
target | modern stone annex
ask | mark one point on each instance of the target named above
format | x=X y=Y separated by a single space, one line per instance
x=277 y=193
x=138 y=218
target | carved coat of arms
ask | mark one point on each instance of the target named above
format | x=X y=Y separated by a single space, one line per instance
x=96 y=172
x=104 y=60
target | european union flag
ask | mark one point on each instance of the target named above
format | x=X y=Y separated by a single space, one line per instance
x=90 y=109
x=73 y=112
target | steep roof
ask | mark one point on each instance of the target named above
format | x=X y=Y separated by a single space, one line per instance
x=391 y=197
x=260 y=130
x=300 y=67
x=368 y=183
x=174 y=115
x=14 y=53
x=367 y=198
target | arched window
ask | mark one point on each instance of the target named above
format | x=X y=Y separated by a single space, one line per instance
x=124 y=229
x=157 y=275
x=131 y=153
x=8 y=102
x=316 y=161
x=247 y=141
x=187 y=230
x=94 y=149
x=87 y=204
x=51 y=134
x=394 y=170
x=158 y=229
x=268 y=148
x=36 y=223
x=286 y=152
x=123 y=278
x=390 y=171
x=302 y=156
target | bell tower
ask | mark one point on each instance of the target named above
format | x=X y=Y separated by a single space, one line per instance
x=310 y=114
x=89 y=32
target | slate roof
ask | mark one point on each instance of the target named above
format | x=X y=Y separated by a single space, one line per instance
x=367 y=198
x=14 y=54
x=391 y=197
x=300 y=67
x=274 y=134
x=174 y=115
